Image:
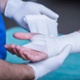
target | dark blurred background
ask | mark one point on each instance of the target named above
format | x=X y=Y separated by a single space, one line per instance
x=69 y=11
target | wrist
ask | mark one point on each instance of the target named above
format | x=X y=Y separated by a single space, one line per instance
x=3 y=5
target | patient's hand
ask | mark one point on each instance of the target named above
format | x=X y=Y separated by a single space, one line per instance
x=26 y=53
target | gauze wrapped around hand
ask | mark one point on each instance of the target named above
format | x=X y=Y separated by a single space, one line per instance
x=51 y=64
x=53 y=46
x=42 y=24
x=44 y=44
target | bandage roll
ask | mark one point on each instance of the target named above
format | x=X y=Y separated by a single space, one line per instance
x=42 y=24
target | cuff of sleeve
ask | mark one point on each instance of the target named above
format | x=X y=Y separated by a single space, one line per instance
x=11 y=7
x=35 y=74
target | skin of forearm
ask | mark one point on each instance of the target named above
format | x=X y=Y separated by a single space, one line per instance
x=10 y=71
x=3 y=5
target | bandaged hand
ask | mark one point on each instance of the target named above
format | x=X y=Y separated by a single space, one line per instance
x=20 y=50
x=17 y=9
x=53 y=46
x=42 y=47
x=44 y=67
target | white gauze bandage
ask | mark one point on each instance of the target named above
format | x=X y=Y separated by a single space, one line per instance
x=52 y=46
x=42 y=24
x=51 y=64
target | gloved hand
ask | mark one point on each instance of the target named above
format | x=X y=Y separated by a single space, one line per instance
x=17 y=9
x=51 y=64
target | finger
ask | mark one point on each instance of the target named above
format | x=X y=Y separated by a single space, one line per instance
x=34 y=55
x=9 y=49
x=13 y=47
x=24 y=36
x=20 y=51
x=46 y=11
x=28 y=55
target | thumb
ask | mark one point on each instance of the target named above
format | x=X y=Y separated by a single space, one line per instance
x=24 y=36
x=46 y=11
